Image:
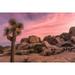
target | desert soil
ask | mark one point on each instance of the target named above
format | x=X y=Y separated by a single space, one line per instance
x=63 y=57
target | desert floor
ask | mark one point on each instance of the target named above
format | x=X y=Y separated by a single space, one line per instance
x=63 y=57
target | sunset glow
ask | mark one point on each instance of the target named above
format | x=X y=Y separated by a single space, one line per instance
x=39 y=24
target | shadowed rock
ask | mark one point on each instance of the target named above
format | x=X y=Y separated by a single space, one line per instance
x=34 y=39
x=72 y=31
x=50 y=40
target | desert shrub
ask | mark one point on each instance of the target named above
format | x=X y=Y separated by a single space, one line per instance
x=18 y=53
x=52 y=51
x=1 y=51
x=69 y=49
x=67 y=45
x=38 y=48
x=22 y=52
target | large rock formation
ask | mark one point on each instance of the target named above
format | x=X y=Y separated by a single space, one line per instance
x=23 y=44
x=72 y=31
x=51 y=49
x=24 y=41
x=50 y=44
x=65 y=36
x=50 y=40
x=59 y=40
x=73 y=39
x=34 y=39
x=72 y=34
x=30 y=42
x=67 y=44
x=1 y=47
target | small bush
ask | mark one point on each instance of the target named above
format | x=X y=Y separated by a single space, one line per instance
x=38 y=48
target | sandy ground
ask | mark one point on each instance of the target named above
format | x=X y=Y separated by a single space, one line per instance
x=63 y=57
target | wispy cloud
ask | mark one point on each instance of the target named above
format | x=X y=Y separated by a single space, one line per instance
x=39 y=24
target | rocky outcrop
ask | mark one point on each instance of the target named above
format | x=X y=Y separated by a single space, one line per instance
x=67 y=44
x=48 y=46
x=72 y=31
x=65 y=36
x=51 y=49
x=34 y=39
x=23 y=46
x=24 y=41
x=50 y=40
x=59 y=40
x=73 y=39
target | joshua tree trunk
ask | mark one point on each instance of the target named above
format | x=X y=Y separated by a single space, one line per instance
x=13 y=47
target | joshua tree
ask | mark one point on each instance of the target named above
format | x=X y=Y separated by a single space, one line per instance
x=11 y=32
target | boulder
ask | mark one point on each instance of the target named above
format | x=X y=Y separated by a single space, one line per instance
x=59 y=40
x=65 y=36
x=34 y=39
x=67 y=44
x=50 y=40
x=51 y=49
x=73 y=39
x=72 y=31
x=23 y=46
x=24 y=41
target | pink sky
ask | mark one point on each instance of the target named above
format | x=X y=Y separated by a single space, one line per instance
x=39 y=24
x=46 y=26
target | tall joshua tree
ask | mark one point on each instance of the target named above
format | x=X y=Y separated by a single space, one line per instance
x=11 y=32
